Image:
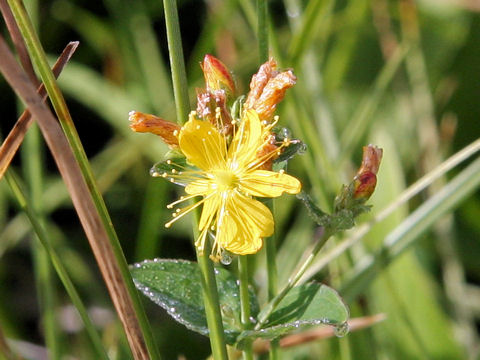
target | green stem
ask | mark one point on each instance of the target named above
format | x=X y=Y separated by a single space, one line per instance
x=32 y=166
x=209 y=285
x=245 y=302
x=293 y=280
x=56 y=97
x=177 y=62
x=212 y=305
x=58 y=265
x=271 y=253
x=262 y=31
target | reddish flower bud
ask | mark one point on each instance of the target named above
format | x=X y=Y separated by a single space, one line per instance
x=267 y=89
x=167 y=130
x=217 y=76
x=366 y=178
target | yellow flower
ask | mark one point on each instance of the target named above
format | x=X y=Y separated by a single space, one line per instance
x=228 y=178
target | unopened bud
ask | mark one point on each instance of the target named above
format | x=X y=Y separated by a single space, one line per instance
x=167 y=130
x=217 y=76
x=366 y=178
x=267 y=89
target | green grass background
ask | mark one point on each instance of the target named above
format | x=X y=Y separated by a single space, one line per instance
x=403 y=75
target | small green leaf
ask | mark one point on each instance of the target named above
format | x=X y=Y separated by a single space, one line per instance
x=296 y=147
x=317 y=214
x=305 y=305
x=175 y=286
x=168 y=169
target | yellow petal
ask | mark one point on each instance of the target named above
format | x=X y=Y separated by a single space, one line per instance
x=246 y=142
x=199 y=187
x=202 y=144
x=266 y=183
x=245 y=222
x=210 y=207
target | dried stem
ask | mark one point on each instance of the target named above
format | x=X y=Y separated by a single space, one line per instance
x=81 y=198
x=17 y=134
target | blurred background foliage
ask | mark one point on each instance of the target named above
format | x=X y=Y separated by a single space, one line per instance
x=404 y=75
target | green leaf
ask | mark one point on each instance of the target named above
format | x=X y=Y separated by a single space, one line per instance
x=168 y=169
x=295 y=147
x=317 y=214
x=304 y=306
x=175 y=286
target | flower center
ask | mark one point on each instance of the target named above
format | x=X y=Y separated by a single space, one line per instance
x=225 y=180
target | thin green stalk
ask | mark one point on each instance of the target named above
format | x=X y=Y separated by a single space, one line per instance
x=271 y=254
x=62 y=273
x=245 y=302
x=270 y=242
x=262 y=30
x=209 y=285
x=212 y=304
x=56 y=97
x=177 y=61
x=32 y=165
x=293 y=281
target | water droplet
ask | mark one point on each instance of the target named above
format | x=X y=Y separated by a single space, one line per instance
x=341 y=330
x=226 y=258
x=216 y=271
x=172 y=309
x=252 y=320
x=285 y=133
x=302 y=149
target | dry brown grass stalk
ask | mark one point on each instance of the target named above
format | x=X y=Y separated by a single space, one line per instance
x=17 y=134
x=18 y=42
x=81 y=198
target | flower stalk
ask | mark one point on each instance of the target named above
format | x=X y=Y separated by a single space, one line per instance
x=179 y=80
x=212 y=306
x=245 y=302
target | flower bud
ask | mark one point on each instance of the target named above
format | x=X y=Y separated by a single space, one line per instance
x=167 y=130
x=267 y=89
x=366 y=179
x=217 y=76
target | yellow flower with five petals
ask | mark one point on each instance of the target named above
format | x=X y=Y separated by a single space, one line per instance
x=228 y=178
